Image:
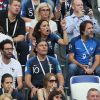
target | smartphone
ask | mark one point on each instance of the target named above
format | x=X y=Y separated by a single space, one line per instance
x=86 y=10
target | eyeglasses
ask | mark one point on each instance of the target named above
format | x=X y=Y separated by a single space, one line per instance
x=45 y=10
x=51 y=81
x=58 y=96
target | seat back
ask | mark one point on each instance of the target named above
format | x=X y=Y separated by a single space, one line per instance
x=81 y=84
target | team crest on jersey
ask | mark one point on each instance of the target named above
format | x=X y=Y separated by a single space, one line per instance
x=91 y=49
x=12 y=69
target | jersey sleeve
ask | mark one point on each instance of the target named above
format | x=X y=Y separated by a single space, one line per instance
x=19 y=69
x=57 y=65
x=28 y=66
x=23 y=9
x=97 y=52
x=54 y=37
x=72 y=46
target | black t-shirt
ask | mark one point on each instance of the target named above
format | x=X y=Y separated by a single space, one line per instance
x=20 y=28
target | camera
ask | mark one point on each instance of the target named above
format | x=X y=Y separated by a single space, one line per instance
x=86 y=10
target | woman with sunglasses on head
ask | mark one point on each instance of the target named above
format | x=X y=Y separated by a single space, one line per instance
x=49 y=82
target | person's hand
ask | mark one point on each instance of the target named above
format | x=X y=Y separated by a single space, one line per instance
x=89 y=71
x=63 y=24
x=10 y=90
x=62 y=90
x=33 y=40
x=33 y=91
x=84 y=66
x=90 y=13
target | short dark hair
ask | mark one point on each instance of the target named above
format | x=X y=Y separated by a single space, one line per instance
x=92 y=89
x=37 y=42
x=83 y=26
x=6 y=41
x=5 y=76
x=11 y=1
x=54 y=93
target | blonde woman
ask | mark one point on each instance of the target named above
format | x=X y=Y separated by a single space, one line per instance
x=43 y=11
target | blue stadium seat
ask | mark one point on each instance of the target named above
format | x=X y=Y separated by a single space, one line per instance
x=81 y=84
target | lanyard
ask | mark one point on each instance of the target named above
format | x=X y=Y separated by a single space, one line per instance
x=85 y=48
x=3 y=90
x=14 y=27
x=33 y=5
x=42 y=66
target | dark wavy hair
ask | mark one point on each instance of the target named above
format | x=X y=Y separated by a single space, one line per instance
x=37 y=33
x=83 y=26
x=6 y=41
x=54 y=93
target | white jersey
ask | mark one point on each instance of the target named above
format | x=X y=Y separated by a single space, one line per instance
x=13 y=68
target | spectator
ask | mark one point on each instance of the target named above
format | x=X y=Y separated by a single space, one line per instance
x=39 y=65
x=7 y=87
x=6 y=96
x=9 y=64
x=73 y=21
x=49 y=83
x=56 y=95
x=3 y=37
x=43 y=11
x=93 y=94
x=42 y=31
x=85 y=53
x=28 y=9
x=14 y=26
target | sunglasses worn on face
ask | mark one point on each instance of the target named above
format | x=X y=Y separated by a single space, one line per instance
x=51 y=81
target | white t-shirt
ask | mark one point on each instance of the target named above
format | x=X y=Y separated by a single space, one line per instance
x=52 y=24
x=13 y=68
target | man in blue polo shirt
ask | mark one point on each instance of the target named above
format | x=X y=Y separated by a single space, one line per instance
x=39 y=65
x=85 y=52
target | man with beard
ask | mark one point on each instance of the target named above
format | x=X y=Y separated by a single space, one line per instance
x=85 y=52
x=84 y=57
x=9 y=64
